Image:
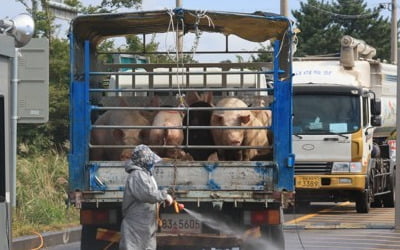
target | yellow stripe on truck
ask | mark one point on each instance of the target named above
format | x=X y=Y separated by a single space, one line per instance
x=357 y=146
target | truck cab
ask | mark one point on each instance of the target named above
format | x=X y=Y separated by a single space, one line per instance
x=339 y=130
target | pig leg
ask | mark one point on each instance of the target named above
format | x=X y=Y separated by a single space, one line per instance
x=213 y=157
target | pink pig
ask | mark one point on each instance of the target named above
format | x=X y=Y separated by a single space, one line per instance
x=237 y=137
x=167 y=136
x=117 y=136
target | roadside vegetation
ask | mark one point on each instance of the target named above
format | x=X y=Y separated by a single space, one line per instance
x=42 y=193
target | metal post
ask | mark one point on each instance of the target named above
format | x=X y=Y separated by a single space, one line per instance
x=397 y=187
x=284 y=8
x=393 y=34
x=13 y=127
x=7 y=52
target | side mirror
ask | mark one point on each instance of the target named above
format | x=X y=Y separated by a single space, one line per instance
x=376 y=107
x=376 y=121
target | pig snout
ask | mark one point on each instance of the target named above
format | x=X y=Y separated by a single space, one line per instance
x=126 y=155
x=236 y=142
x=233 y=138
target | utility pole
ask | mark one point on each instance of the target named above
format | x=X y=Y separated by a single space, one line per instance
x=397 y=177
x=179 y=34
x=393 y=34
x=285 y=9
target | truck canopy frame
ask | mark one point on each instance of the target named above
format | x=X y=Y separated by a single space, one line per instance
x=88 y=31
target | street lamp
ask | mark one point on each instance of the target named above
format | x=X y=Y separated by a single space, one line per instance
x=20 y=27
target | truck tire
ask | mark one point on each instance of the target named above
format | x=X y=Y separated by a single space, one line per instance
x=376 y=203
x=89 y=242
x=388 y=199
x=362 y=202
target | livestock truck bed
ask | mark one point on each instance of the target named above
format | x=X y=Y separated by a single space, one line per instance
x=118 y=95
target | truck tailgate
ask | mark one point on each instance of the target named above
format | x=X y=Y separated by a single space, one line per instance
x=186 y=176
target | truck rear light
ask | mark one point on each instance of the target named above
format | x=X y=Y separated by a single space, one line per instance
x=262 y=217
x=268 y=216
x=98 y=216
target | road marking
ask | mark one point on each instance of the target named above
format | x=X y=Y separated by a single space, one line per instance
x=308 y=216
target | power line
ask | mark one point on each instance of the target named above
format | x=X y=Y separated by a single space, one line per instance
x=343 y=16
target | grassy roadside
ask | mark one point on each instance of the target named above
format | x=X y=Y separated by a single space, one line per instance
x=41 y=194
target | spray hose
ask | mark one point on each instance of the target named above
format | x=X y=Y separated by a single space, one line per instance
x=178 y=207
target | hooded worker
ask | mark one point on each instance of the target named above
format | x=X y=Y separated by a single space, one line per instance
x=139 y=206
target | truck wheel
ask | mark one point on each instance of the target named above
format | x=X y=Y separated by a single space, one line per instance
x=362 y=202
x=376 y=203
x=272 y=237
x=389 y=198
x=89 y=242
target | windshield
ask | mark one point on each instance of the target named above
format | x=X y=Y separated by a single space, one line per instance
x=325 y=114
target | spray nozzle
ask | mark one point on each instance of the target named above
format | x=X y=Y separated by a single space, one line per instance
x=178 y=207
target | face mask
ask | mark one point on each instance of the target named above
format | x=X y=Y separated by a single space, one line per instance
x=149 y=166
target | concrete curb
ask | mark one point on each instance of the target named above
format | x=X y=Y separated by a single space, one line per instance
x=50 y=239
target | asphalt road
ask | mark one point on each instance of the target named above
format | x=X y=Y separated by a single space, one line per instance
x=345 y=239
x=321 y=226
x=338 y=215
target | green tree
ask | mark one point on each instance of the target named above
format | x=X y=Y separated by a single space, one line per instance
x=318 y=35
x=56 y=132
x=367 y=25
x=263 y=56
x=135 y=44
x=322 y=24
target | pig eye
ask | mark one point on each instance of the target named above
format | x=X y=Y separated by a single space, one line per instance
x=219 y=118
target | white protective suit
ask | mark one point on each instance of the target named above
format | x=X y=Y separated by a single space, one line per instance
x=139 y=206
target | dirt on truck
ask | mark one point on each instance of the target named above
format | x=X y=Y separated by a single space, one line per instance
x=223 y=128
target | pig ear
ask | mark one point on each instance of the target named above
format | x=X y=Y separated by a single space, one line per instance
x=218 y=117
x=208 y=97
x=244 y=118
x=192 y=97
x=118 y=133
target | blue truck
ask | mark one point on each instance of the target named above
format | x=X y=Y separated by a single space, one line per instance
x=247 y=195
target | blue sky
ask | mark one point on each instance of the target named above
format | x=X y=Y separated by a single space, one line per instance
x=12 y=8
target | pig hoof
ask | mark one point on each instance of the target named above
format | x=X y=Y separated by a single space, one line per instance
x=213 y=157
x=188 y=157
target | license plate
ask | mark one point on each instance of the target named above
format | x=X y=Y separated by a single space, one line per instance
x=179 y=223
x=308 y=182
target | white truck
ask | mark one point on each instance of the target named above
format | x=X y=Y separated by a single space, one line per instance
x=344 y=115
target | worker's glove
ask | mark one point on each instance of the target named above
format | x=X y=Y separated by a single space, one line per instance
x=169 y=200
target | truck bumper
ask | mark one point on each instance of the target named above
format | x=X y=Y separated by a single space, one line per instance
x=329 y=182
x=329 y=188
